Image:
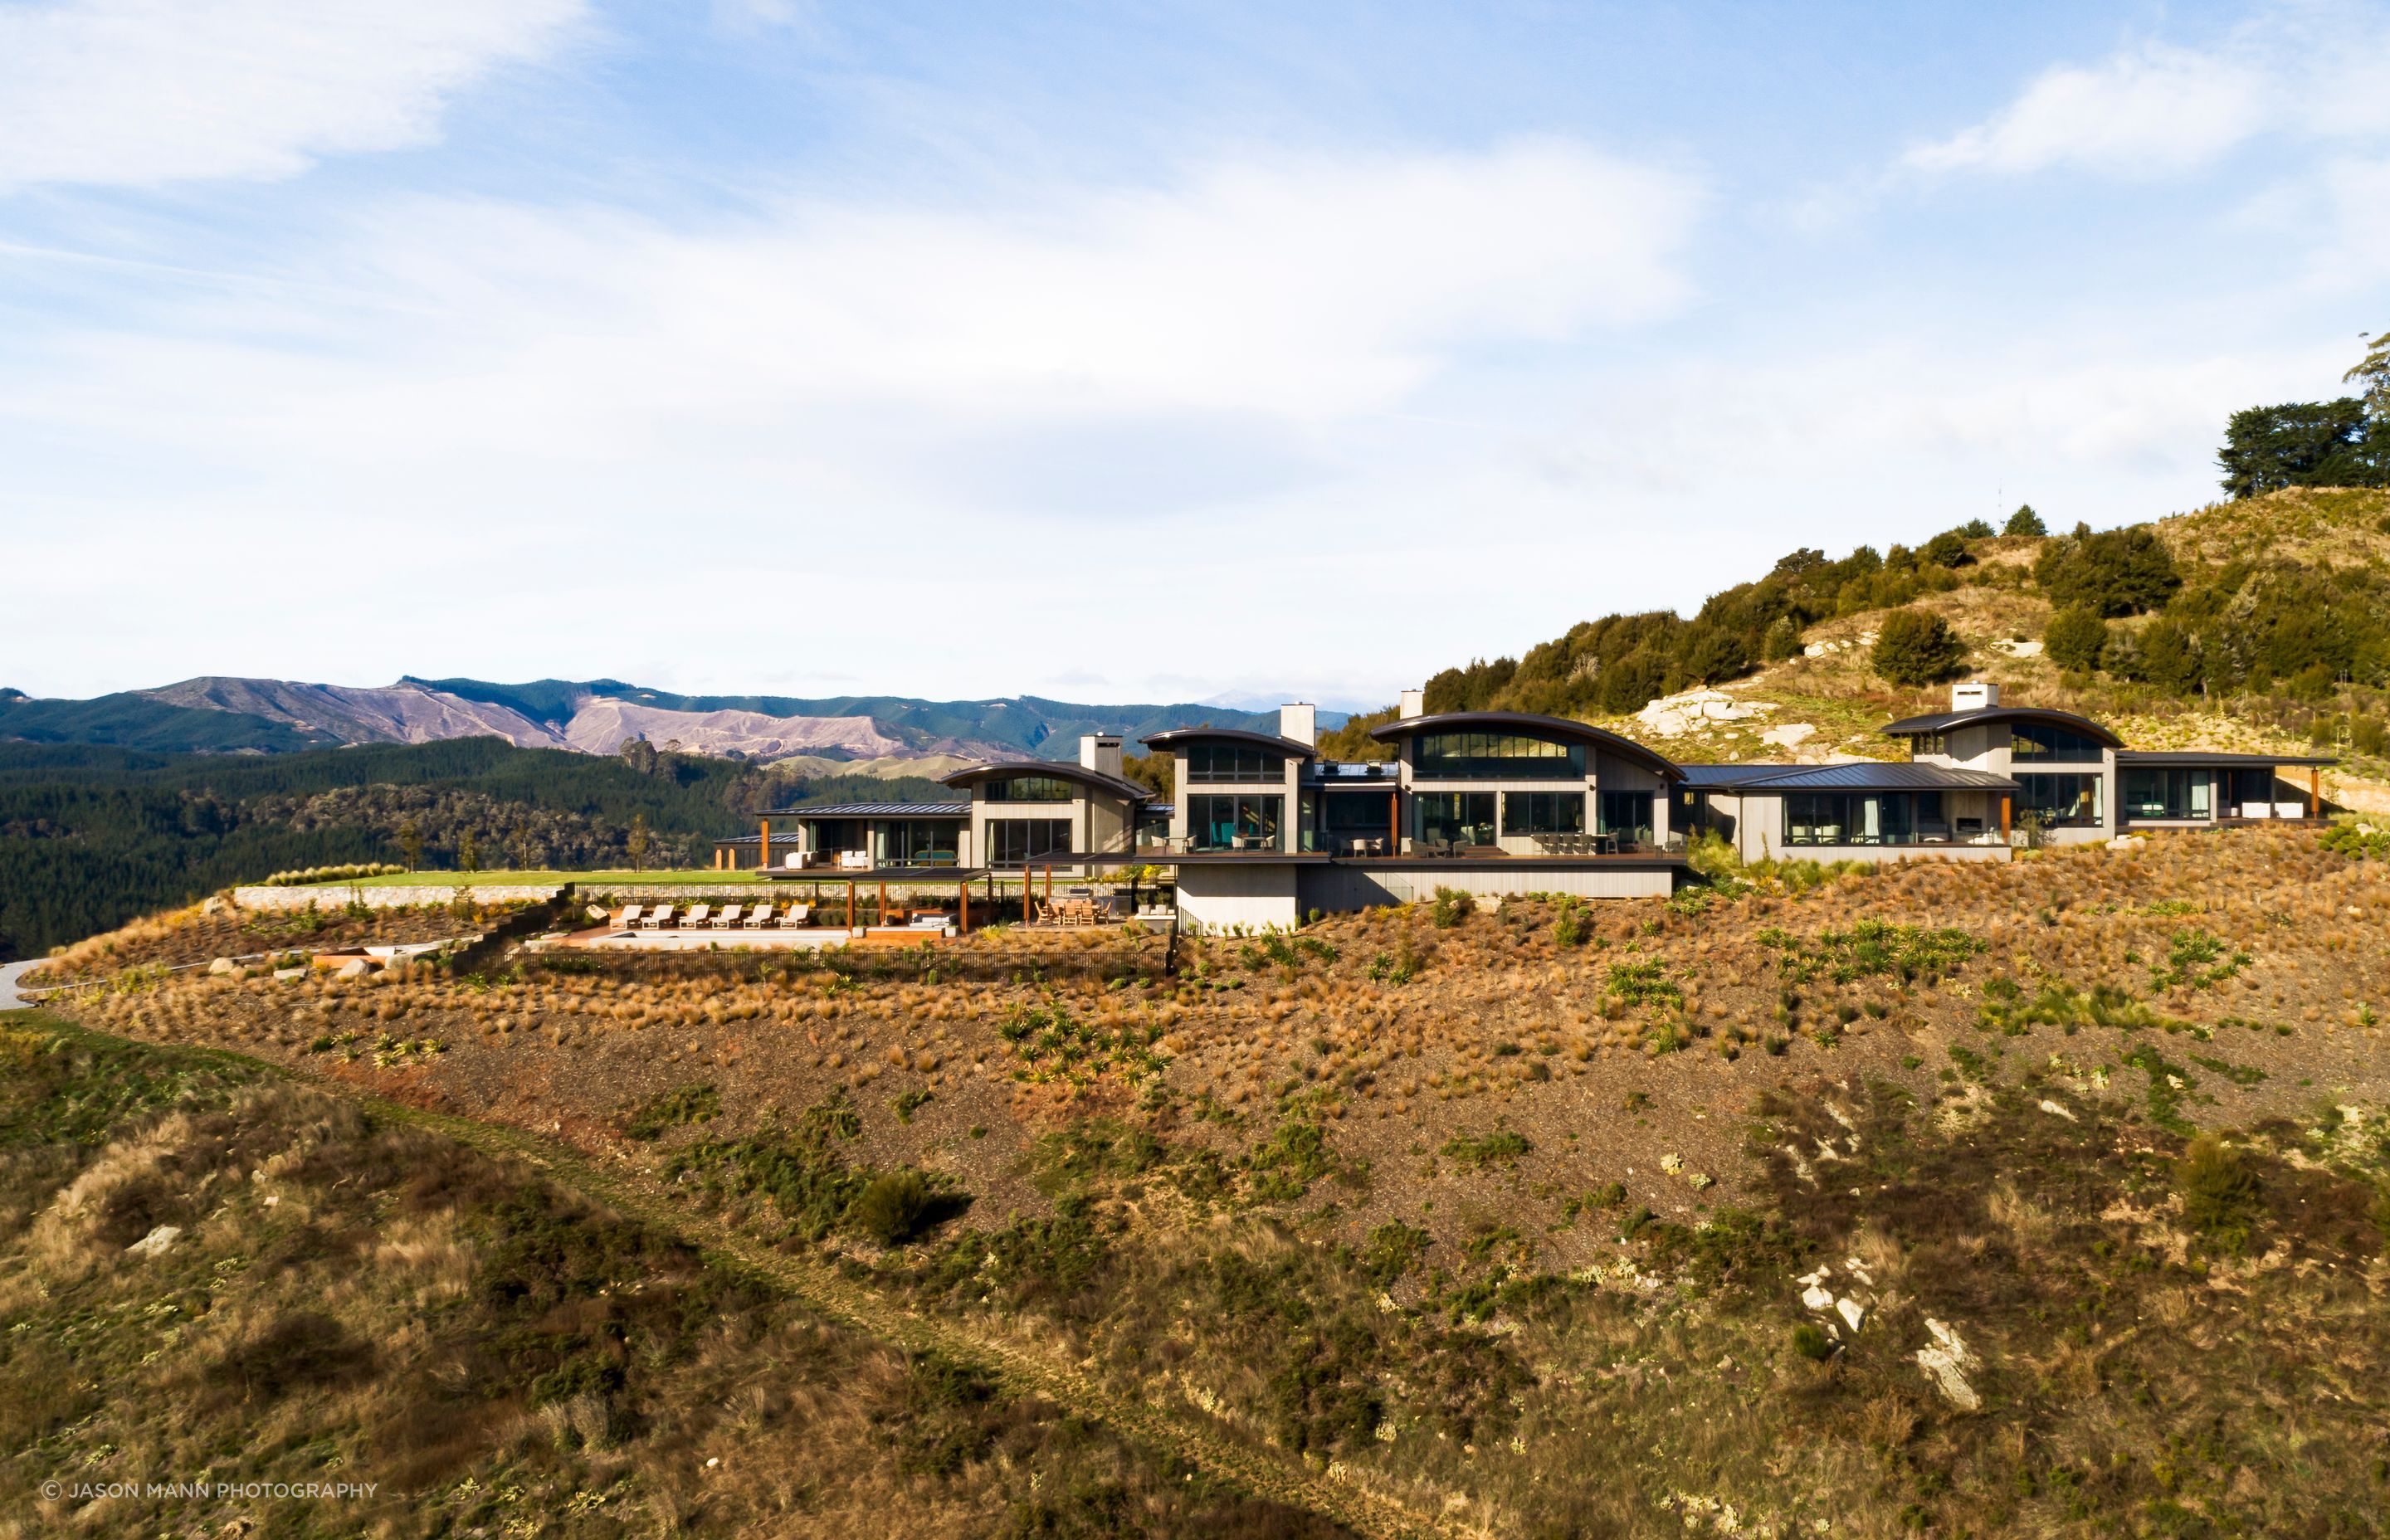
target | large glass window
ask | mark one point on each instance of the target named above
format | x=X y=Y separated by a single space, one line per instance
x=1221 y=822
x=2049 y=745
x=1454 y=818
x=1230 y=762
x=1011 y=842
x=1627 y=814
x=1833 y=818
x=1543 y=812
x=920 y=842
x=2251 y=786
x=2061 y=801
x=2155 y=793
x=1495 y=756
x=1028 y=789
x=1358 y=815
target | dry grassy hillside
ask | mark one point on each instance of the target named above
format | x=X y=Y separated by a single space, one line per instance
x=1553 y=1220
x=1829 y=703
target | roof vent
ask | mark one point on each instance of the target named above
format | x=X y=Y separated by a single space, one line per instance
x=1414 y=703
x=1975 y=696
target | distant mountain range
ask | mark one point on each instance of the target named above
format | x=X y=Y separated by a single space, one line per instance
x=855 y=733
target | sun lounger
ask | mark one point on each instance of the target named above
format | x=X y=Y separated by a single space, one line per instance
x=798 y=915
x=695 y=918
x=657 y=917
x=630 y=915
x=728 y=919
x=758 y=917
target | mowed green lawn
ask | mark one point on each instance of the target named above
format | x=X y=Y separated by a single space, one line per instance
x=702 y=877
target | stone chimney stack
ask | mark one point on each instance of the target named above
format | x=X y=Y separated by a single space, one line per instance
x=1100 y=753
x=1414 y=704
x=1975 y=694
x=1300 y=721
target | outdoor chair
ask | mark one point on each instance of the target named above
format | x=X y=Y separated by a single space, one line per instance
x=797 y=915
x=758 y=917
x=728 y=919
x=695 y=918
x=657 y=917
x=630 y=915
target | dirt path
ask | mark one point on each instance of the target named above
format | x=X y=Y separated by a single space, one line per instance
x=1332 y=1495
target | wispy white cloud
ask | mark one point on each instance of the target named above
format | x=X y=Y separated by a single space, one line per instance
x=2156 y=109
x=142 y=93
x=1296 y=289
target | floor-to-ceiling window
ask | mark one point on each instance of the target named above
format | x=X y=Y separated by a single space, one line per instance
x=1534 y=813
x=2153 y=792
x=1627 y=814
x=1367 y=817
x=1236 y=821
x=919 y=841
x=1011 y=842
x=1453 y=817
x=2062 y=802
x=1863 y=818
x=2252 y=788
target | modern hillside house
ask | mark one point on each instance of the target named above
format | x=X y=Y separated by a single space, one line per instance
x=1981 y=775
x=1262 y=829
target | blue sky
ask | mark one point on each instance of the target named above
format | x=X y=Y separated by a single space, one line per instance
x=1197 y=351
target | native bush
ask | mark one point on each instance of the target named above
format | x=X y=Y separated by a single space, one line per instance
x=1916 y=647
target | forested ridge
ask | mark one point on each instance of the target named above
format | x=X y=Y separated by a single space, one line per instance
x=2127 y=604
x=91 y=836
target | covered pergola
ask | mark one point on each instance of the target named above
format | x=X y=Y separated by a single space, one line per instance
x=882 y=879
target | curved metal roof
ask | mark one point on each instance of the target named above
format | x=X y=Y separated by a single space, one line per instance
x=1943 y=721
x=1528 y=723
x=1175 y=735
x=1063 y=769
x=1855 y=776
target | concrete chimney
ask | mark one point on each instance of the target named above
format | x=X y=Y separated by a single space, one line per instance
x=1300 y=721
x=1414 y=704
x=1975 y=694
x=1100 y=753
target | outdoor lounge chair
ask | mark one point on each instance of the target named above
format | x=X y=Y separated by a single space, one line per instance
x=657 y=917
x=758 y=917
x=728 y=919
x=796 y=917
x=630 y=915
x=695 y=918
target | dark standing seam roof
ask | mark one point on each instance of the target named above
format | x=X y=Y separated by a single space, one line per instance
x=1061 y=769
x=874 y=810
x=1943 y=721
x=1271 y=741
x=1865 y=776
x=1528 y=723
x=2198 y=757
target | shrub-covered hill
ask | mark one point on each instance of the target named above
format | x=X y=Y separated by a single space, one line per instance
x=2261 y=624
x=91 y=836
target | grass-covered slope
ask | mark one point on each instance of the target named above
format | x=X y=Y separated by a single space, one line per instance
x=1876 y=1198
x=211 y=1275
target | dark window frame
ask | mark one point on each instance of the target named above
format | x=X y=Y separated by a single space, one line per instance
x=1544 y=812
x=1042 y=789
x=1233 y=765
x=1495 y=757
